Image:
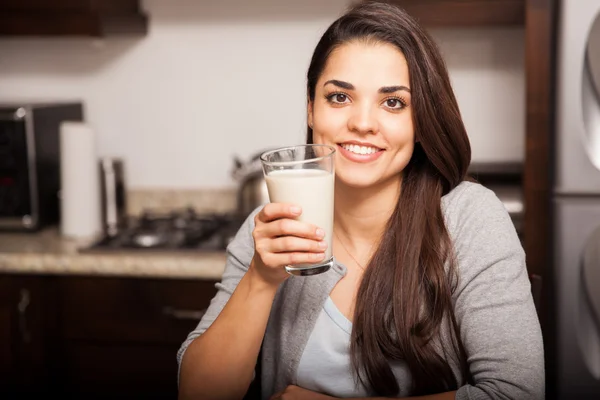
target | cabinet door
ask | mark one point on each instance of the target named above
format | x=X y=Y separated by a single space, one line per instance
x=71 y=18
x=27 y=321
x=116 y=370
x=122 y=335
x=6 y=335
x=45 y=6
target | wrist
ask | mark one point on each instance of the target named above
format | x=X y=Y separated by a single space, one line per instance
x=258 y=282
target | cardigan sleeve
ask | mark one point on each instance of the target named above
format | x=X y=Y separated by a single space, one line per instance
x=498 y=323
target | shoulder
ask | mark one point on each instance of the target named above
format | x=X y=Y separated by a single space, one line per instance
x=468 y=195
x=471 y=202
x=477 y=219
x=484 y=239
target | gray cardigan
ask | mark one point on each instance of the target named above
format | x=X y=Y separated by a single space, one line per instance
x=499 y=327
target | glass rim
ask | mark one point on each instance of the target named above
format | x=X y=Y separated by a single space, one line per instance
x=264 y=155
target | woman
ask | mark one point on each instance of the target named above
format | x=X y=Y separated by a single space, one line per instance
x=429 y=295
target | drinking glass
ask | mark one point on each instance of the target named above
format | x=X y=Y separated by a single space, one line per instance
x=304 y=175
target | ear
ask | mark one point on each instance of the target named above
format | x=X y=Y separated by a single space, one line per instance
x=309 y=113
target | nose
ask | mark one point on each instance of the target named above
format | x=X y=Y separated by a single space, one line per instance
x=363 y=119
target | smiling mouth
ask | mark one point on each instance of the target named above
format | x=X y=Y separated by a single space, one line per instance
x=358 y=149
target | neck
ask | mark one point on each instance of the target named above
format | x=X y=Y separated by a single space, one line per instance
x=362 y=214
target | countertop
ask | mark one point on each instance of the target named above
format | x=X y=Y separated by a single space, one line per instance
x=46 y=252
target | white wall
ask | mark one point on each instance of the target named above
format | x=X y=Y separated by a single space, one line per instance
x=213 y=79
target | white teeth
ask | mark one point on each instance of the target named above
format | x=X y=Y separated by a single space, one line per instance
x=360 y=149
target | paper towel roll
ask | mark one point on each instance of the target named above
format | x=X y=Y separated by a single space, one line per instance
x=80 y=181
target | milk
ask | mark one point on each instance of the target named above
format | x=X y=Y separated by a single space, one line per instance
x=311 y=189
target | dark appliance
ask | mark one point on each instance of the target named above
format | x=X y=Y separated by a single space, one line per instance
x=30 y=163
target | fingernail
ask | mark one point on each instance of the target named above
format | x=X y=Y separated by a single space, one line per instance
x=295 y=210
x=323 y=245
x=320 y=233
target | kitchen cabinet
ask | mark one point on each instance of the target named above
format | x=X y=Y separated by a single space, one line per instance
x=95 y=18
x=27 y=331
x=465 y=13
x=95 y=337
x=539 y=166
x=122 y=335
x=100 y=18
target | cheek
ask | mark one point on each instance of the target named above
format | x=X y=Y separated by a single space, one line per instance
x=399 y=131
x=400 y=159
x=328 y=121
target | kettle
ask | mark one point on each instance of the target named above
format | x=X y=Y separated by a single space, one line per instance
x=252 y=188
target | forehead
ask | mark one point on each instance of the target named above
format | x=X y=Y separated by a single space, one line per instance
x=367 y=65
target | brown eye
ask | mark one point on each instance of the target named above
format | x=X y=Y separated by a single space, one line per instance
x=338 y=98
x=393 y=103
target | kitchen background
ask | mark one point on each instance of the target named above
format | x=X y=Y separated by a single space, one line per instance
x=214 y=79
x=205 y=81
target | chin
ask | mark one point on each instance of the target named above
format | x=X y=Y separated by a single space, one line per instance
x=356 y=181
x=364 y=179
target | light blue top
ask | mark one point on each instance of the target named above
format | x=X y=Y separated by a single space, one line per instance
x=325 y=365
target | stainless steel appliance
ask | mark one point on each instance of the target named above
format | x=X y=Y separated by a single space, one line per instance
x=29 y=163
x=252 y=187
x=178 y=230
x=575 y=354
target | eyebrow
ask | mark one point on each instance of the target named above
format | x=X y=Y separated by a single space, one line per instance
x=392 y=89
x=384 y=89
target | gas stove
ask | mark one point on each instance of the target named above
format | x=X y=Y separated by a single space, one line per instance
x=172 y=231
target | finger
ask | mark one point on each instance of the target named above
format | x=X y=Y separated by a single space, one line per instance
x=291 y=227
x=273 y=211
x=291 y=244
x=282 y=259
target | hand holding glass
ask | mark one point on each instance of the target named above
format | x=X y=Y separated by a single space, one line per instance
x=304 y=175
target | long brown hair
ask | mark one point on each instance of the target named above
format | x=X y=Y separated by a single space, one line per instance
x=404 y=303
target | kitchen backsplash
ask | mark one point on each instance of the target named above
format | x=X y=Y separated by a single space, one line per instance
x=202 y=200
x=217 y=79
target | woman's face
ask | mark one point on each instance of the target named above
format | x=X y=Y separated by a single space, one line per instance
x=362 y=107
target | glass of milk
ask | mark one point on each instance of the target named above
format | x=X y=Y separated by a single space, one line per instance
x=304 y=175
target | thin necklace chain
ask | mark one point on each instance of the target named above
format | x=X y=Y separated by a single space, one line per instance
x=350 y=254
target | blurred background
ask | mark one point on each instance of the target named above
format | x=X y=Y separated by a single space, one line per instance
x=129 y=132
x=212 y=79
